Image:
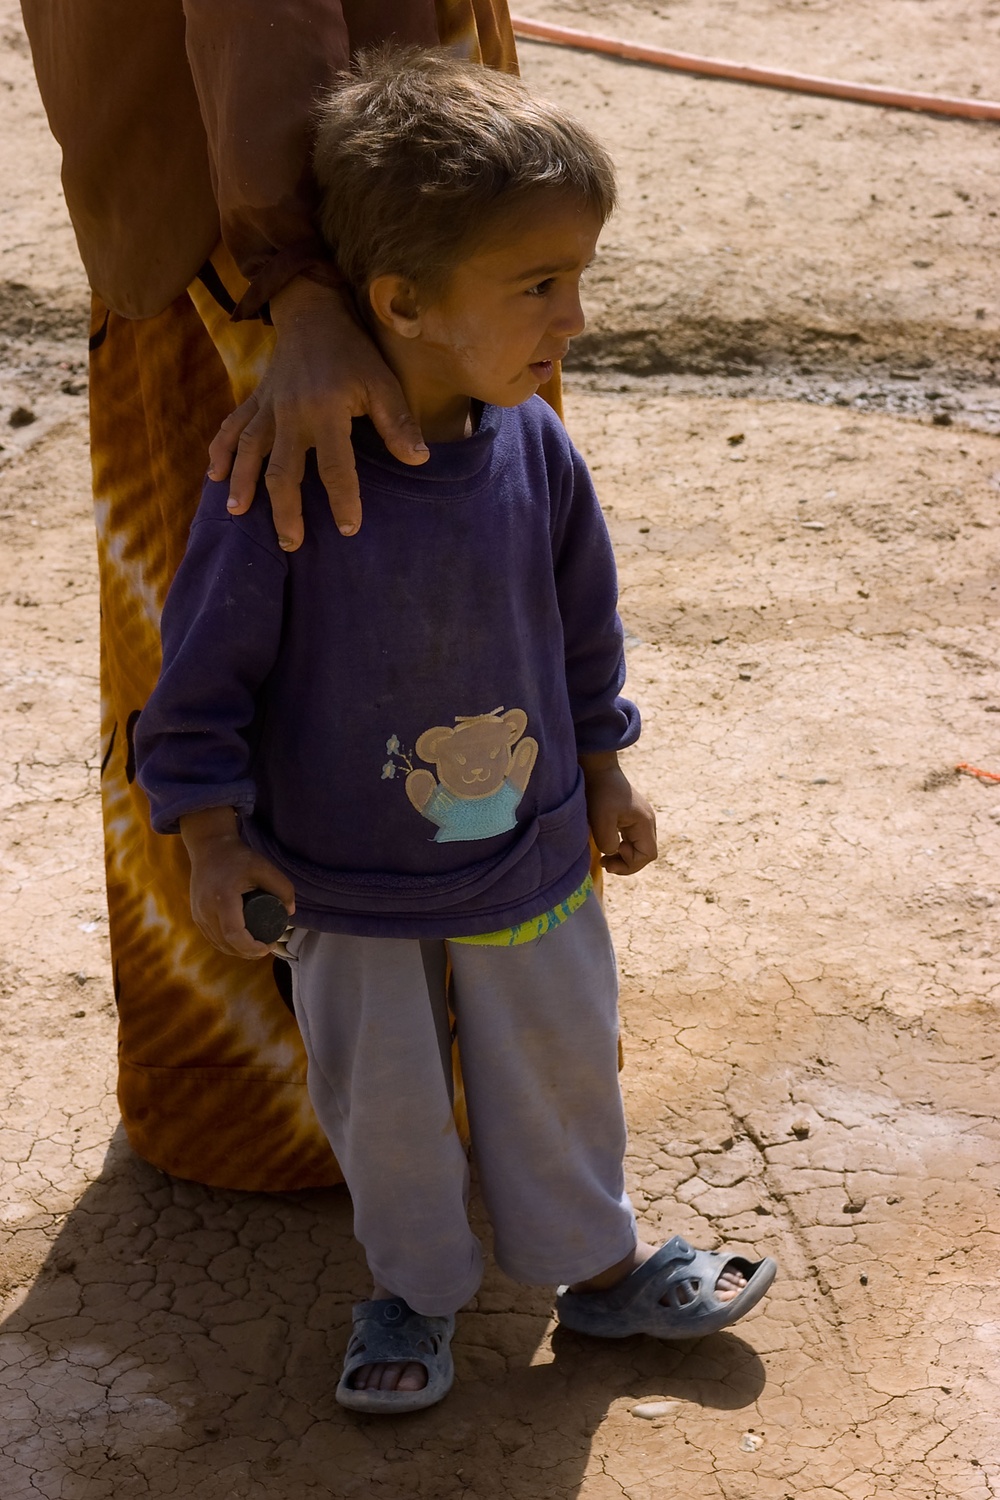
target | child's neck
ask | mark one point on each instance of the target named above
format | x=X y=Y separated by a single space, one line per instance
x=442 y=414
x=440 y=419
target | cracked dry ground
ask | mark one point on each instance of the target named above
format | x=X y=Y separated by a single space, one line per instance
x=809 y=1008
x=809 y=977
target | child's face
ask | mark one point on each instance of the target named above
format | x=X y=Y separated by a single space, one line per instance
x=510 y=310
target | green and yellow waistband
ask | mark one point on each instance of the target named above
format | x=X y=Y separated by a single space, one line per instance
x=534 y=927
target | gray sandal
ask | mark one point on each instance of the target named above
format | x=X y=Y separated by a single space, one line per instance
x=389 y=1332
x=685 y=1278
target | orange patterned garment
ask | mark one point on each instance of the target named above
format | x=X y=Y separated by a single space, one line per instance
x=211 y=1067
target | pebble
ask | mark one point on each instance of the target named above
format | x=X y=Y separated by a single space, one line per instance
x=650 y=1410
x=21 y=416
x=813 y=525
x=751 y=1441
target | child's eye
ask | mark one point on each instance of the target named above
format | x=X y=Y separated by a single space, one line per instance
x=541 y=287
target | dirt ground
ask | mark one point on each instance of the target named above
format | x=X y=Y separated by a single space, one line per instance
x=789 y=398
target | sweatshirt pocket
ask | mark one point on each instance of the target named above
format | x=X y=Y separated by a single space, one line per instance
x=544 y=849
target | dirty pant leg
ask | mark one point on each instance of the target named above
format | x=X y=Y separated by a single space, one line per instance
x=538 y=1038
x=374 y=1022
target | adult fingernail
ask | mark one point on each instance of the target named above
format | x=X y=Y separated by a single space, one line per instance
x=231 y=504
x=286 y=544
x=347 y=529
x=421 y=448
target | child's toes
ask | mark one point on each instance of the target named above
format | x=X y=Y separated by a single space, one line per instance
x=412 y=1377
x=730 y=1282
x=392 y=1377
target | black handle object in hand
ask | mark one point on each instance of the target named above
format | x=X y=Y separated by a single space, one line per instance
x=264 y=916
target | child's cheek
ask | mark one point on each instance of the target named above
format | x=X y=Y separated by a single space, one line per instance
x=451 y=337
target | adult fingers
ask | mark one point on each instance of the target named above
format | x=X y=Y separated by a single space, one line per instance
x=335 y=461
x=254 y=444
x=222 y=448
x=284 y=487
x=395 y=423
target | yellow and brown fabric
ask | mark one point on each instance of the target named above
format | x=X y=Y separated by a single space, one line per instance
x=211 y=1073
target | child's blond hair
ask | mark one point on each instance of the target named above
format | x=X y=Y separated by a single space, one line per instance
x=420 y=156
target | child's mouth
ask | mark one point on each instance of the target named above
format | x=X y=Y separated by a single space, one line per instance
x=542 y=369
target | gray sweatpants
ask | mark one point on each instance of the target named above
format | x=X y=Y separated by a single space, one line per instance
x=538 y=1033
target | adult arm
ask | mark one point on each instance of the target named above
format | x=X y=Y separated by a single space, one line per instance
x=259 y=67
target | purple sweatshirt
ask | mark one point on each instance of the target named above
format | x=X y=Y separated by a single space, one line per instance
x=397 y=715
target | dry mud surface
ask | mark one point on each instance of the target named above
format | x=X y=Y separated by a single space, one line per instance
x=808 y=547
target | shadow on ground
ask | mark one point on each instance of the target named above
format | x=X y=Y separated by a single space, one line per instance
x=181 y=1340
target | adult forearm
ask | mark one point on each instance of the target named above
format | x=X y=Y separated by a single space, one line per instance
x=258 y=67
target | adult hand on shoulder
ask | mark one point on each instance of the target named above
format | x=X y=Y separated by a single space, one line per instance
x=325 y=370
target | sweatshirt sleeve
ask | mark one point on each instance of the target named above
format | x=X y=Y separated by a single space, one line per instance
x=221 y=629
x=258 y=68
x=587 y=588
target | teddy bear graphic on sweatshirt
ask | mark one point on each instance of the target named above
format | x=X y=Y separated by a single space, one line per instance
x=483 y=766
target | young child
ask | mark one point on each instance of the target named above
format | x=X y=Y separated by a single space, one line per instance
x=407 y=735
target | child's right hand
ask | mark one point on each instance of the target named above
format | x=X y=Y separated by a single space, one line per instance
x=222 y=868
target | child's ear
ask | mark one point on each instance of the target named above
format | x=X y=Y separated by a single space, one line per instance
x=393 y=300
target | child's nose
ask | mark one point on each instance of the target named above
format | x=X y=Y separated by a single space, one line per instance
x=571 y=319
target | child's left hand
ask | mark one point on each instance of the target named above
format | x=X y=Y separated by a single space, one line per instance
x=622 y=823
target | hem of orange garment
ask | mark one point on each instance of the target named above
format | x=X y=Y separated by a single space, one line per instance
x=157 y=1094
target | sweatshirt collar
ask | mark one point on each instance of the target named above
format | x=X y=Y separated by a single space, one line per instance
x=462 y=460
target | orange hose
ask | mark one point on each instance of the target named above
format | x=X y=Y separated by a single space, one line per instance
x=963 y=765
x=775 y=78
